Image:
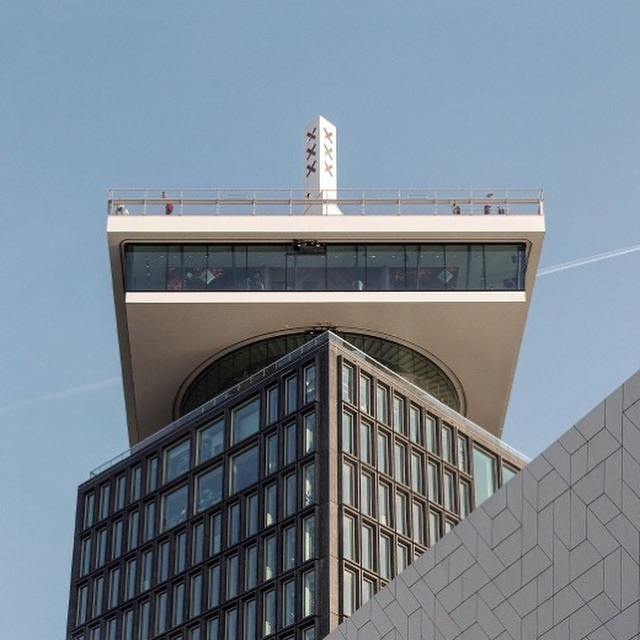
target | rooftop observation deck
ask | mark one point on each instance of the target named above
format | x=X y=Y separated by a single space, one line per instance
x=296 y=202
x=446 y=272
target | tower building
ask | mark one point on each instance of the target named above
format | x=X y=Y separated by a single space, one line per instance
x=315 y=382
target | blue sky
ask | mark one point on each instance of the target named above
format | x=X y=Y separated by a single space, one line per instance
x=215 y=94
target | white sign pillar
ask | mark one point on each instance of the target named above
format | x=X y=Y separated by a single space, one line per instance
x=320 y=166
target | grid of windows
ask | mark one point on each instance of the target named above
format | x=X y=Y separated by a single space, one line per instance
x=408 y=476
x=195 y=530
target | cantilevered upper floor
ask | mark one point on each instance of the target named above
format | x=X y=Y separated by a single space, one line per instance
x=199 y=276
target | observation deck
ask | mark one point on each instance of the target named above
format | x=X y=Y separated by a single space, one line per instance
x=199 y=273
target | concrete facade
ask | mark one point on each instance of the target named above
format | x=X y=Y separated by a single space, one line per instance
x=553 y=554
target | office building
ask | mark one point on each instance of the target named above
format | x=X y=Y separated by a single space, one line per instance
x=315 y=383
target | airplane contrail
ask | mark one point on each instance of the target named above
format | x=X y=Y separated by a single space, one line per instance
x=596 y=258
x=58 y=395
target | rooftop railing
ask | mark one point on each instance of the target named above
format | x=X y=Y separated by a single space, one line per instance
x=207 y=202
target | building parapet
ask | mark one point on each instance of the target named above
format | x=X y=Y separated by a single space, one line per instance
x=293 y=202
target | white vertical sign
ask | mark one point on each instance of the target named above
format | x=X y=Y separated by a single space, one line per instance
x=320 y=166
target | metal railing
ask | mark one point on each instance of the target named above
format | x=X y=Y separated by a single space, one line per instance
x=206 y=202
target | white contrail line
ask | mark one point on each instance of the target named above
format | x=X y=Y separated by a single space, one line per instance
x=578 y=263
x=60 y=395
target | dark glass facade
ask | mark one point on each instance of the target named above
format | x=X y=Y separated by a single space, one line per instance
x=313 y=266
x=277 y=512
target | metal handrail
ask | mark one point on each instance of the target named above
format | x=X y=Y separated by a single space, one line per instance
x=466 y=201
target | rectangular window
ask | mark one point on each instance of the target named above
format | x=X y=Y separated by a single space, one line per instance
x=251 y=514
x=348 y=493
x=433 y=482
x=270 y=557
x=349 y=592
x=384 y=511
x=464 y=496
x=269 y=612
x=149 y=520
x=347 y=432
x=446 y=433
x=402 y=558
x=449 y=491
x=415 y=427
x=309 y=376
x=401 y=513
x=112 y=629
x=507 y=473
x=271 y=453
x=347 y=383
x=85 y=555
x=309 y=425
x=144 y=629
x=308 y=485
x=152 y=474
x=127 y=625
x=251 y=567
x=366 y=546
x=181 y=552
x=101 y=548
x=211 y=441
x=383 y=453
x=308 y=593
x=105 y=493
x=81 y=607
x=400 y=461
x=385 y=556
x=174 y=507
x=418 y=522
x=290 y=494
x=161 y=613
x=178 y=604
x=245 y=469
x=134 y=525
x=463 y=456
x=121 y=491
x=114 y=587
x=213 y=599
x=233 y=524
x=195 y=595
x=366 y=435
x=368 y=589
x=308 y=538
x=272 y=404
x=288 y=603
x=399 y=423
x=348 y=537
x=290 y=443
x=136 y=483
x=212 y=629
x=417 y=473
x=215 y=533
x=432 y=436
x=130 y=579
x=197 y=543
x=270 y=505
x=366 y=494
x=365 y=393
x=382 y=403
x=176 y=460
x=291 y=394
x=289 y=548
x=147 y=571
x=164 y=561
x=116 y=539
x=485 y=467
x=245 y=420
x=249 y=621
x=232 y=576
x=89 y=509
x=98 y=594
x=434 y=527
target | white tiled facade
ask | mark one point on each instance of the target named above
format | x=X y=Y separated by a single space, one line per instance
x=552 y=555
